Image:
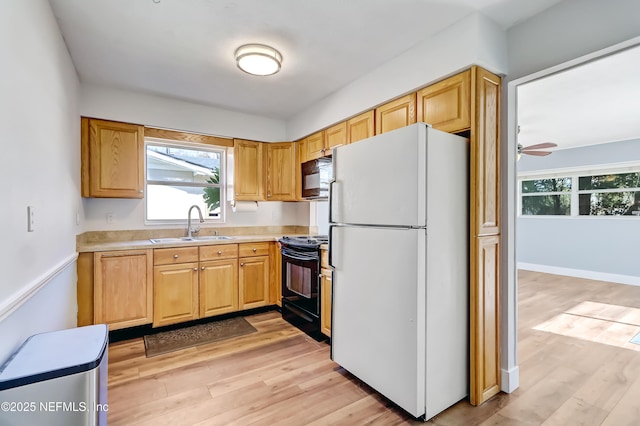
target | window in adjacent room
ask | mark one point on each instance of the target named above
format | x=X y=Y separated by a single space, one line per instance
x=182 y=175
x=609 y=194
x=546 y=197
x=582 y=193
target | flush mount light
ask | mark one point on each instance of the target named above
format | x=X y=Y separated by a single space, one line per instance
x=258 y=59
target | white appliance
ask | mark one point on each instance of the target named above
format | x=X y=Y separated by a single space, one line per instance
x=399 y=251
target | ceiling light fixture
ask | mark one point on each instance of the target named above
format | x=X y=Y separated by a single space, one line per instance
x=258 y=59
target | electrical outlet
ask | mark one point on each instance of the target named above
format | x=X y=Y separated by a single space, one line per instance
x=109 y=217
x=30 y=218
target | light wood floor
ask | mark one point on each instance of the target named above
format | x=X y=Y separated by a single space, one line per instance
x=576 y=368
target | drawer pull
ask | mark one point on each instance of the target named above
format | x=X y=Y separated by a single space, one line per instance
x=255 y=250
x=175 y=256
x=202 y=268
x=242 y=264
x=195 y=269
x=219 y=252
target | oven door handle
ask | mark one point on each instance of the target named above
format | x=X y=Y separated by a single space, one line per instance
x=299 y=257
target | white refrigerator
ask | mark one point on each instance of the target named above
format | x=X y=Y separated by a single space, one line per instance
x=398 y=246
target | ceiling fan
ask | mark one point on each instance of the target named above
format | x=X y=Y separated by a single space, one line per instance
x=532 y=149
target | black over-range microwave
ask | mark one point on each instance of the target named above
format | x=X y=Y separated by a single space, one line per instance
x=316 y=175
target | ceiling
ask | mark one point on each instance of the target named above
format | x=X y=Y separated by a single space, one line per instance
x=184 y=49
x=594 y=103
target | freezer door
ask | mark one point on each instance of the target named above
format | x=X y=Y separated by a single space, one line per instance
x=378 y=328
x=381 y=180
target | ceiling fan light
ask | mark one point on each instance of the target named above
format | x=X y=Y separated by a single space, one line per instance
x=258 y=59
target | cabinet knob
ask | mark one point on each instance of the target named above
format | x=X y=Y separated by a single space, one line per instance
x=219 y=252
x=175 y=256
x=202 y=268
x=255 y=250
x=242 y=264
x=195 y=269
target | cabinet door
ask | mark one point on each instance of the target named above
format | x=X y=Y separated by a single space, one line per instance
x=360 y=127
x=253 y=280
x=314 y=145
x=123 y=288
x=248 y=172
x=218 y=287
x=281 y=171
x=447 y=105
x=325 y=302
x=395 y=114
x=112 y=159
x=175 y=293
x=335 y=136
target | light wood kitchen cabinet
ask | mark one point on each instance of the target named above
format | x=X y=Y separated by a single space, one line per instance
x=398 y=113
x=123 y=288
x=326 y=289
x=175 y=293
x=360 y=127
x=253 y=278
x=218 y=287
x=248 y=180
x=446 y=105
x=314 y=146
x=281 y=171
x=112 y=155
x=335 y=135
x=175 y=285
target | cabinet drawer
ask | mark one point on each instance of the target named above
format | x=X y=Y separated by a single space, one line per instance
x=169 y=256
x=220 y=251
x=254 y=249
x=324 y=258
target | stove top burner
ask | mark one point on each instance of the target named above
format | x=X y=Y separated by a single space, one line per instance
x=306 y=241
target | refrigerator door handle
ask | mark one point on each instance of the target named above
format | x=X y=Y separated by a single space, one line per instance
x=331 y=182
x=331 y=245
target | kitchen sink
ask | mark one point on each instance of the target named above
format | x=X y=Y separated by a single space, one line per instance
x=174 y=240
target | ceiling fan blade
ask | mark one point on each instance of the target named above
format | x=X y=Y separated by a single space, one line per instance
x=541 y=145
x=538 y=153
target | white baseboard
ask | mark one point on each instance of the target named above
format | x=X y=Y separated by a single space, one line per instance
x=581 y=273
x=510 y=380
x=20 y=297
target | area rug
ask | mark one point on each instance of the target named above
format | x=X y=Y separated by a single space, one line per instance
x=182 y=338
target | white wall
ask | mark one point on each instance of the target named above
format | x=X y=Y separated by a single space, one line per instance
x=590 y=247
x=39 y=123
x=162 y=112
x=561 y=36
x=473 y=40
x=129 y=215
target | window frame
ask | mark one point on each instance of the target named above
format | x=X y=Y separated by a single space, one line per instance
x=222 y=184
x=575 y=173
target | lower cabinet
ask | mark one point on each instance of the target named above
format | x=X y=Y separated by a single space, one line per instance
x=123 y=288
x=175 y=293
x=326 y=289
x=253 y=282
x=166 y=286
x=218 y=287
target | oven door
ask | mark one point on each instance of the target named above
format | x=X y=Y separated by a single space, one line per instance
x=300 y=277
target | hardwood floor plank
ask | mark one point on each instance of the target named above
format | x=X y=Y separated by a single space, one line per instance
x=576 y=367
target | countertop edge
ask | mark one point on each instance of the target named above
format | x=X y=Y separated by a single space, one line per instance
x=146 y=244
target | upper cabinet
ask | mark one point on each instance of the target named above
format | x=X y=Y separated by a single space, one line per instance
x=398 y=113
x=281 y=171
x=360 y=127
x=335 y=135
x=112 y=159
x=447 y=105
x=314 y=146
x=248 y=172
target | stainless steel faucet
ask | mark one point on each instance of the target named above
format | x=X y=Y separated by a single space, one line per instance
x=189 y=231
